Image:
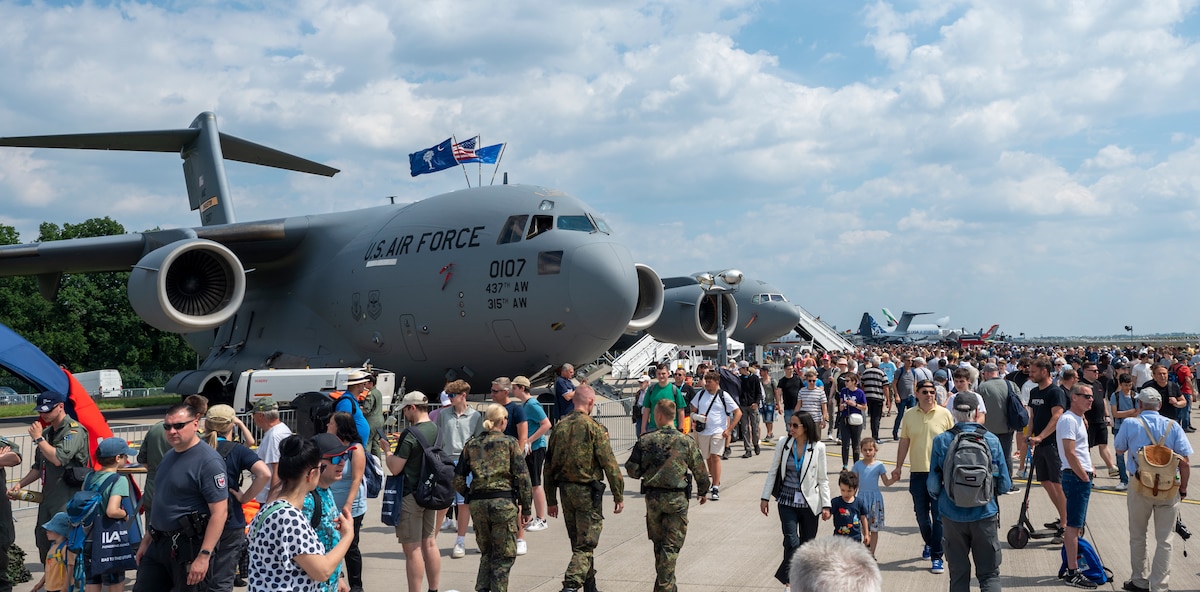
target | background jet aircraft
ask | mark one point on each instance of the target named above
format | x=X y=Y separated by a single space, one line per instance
x=871 y=332
x=756 y=313
x=475 y=284
x=937 y=328
x=973 y=339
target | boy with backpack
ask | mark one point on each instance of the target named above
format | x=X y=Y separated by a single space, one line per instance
x=59 y=561
x=110 y=502
x=966 y=473
x=417 y=529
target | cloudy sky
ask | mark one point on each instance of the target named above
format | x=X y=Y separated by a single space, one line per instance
x=1033 y=164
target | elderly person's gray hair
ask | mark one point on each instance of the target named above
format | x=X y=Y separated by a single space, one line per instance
x=834 y=564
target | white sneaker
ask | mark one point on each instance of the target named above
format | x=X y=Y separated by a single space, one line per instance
x=450 y=524
x=460 y=551
x=536 y=524
x=522 y=548
x=1121 y=487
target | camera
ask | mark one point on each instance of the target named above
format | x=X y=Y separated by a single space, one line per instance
x=1181 y=529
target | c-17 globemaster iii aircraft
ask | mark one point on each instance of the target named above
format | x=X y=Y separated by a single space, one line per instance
x=479 y=283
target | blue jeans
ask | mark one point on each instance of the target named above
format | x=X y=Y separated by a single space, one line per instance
x=901 y=405
x=799 y=527
x=1078 y=493
x=926 y=509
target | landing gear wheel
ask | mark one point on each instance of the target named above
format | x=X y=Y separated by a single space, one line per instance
x=1018 y=537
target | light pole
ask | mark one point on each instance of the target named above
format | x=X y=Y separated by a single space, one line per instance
x=731 y=278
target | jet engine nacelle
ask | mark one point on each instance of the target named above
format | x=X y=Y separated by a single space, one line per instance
x=188 y=285
x=689 y=316
x=650 y=299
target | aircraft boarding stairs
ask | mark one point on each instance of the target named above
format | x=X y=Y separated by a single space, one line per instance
x=646 y=351
x=821 y=334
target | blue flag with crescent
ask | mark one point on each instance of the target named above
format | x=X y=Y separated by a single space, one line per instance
x=432 y=160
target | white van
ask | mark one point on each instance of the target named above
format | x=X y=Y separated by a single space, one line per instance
x=101 y=383
x=284 y=384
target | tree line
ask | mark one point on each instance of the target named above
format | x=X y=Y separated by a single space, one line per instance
x=90 y=325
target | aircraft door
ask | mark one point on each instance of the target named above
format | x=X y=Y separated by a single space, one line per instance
x=412 y=339
x=506 y=334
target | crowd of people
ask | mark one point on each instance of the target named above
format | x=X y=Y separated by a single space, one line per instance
x=295 y=523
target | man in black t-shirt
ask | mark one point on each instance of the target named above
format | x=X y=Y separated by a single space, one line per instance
x=788 y=389
x=1097 y=416
x=1047 y=401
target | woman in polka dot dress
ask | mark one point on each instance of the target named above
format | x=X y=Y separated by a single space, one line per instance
x=285 y=554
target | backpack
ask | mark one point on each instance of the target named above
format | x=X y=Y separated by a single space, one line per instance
x=373 y=475
x=731 y=383
x=967 y=469
x=1014 y=410
x=1158 y=466
x=435 y=482
x=82 y=510
x=1089 y=563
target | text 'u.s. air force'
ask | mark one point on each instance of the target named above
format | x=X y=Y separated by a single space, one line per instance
x=433 y=241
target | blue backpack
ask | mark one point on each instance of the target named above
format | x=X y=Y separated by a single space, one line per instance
x=1089 y=563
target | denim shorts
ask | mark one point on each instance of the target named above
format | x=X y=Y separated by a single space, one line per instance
x=1077 y=493
x=768 y=413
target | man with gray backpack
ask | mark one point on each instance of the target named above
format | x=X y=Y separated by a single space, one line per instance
x=966 y=473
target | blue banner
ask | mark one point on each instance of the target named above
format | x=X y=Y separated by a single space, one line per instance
x=489 y=154
x=432 y=160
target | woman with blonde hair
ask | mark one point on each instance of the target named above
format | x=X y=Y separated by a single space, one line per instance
x=500 y=483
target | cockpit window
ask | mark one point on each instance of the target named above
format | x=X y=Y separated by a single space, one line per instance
x=580 y=223
x=602 y=225
x=778 y=298
x=758 y=298
x=540 y=224
x=514 y=227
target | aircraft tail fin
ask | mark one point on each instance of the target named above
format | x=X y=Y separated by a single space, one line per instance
x=890 y=318
x=942 y=322
x=203 y=149
x=990 y=332
x=864 y=326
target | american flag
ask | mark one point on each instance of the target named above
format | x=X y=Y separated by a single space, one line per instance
x=465 y=150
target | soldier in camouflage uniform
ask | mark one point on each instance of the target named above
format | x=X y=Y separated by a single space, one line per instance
x=579 y=456
x=499 y=484
x=662 y=459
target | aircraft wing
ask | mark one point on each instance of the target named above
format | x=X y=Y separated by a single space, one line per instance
x=252 y=242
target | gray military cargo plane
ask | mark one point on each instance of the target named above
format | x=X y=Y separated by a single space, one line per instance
x=475 y=284
x=756 y=313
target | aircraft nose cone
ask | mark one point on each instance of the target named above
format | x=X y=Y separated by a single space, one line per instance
x=603 y=289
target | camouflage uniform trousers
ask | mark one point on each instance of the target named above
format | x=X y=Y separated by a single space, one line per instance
x=666 y=526
x=584 y=522
x=496 y=535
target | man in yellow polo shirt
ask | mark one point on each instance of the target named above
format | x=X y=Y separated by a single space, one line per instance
x=917 y=430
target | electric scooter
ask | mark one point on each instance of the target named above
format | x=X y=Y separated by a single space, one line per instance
x=1021 y=532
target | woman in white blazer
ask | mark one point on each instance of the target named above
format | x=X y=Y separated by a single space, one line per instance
x=799 y=481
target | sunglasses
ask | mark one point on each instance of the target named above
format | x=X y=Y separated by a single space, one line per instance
x=319 y=469
x=497 y=390
x=794 y=425
x=339 y=459
x=1087 y=396
x=175 y=427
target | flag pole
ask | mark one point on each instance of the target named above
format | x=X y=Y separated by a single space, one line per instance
x=478 y=163
x=453 y=143
x=503 y=147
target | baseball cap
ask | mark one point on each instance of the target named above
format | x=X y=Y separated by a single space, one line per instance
x=990 y=367
x=1150 y=395
x=329 y=444
x=265 y=404
x=966 y=401
x=110 y=447
x=941 y=375
x=521 y=381
x=221 y=413
x=414 y=398
x=358 y=377
x=743 y=364
x=643 y=378
x=46 y=401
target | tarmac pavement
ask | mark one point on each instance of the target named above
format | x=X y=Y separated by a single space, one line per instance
x=732 y=546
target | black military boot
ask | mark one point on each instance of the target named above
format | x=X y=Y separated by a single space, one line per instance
x=590 y=585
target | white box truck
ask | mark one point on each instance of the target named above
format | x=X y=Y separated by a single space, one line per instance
x=101 y=383
x=284 y=384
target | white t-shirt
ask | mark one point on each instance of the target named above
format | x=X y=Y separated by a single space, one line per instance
x=268 y=451
x=1072 y=427
x=950 y=403
x=1026 y=389
x=718 y=417
x=284 y=534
